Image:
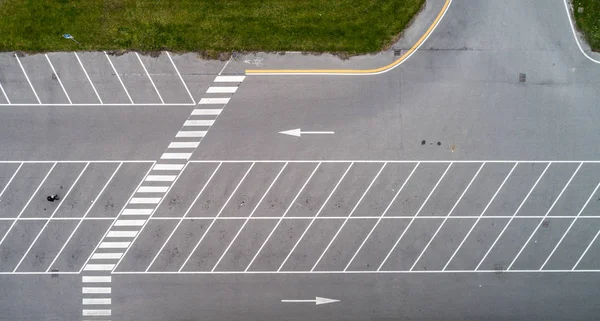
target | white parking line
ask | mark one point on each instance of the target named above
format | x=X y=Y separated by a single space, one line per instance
x=119 y=77
x=347 y=218
x=88 y=78
x=184 y=215
x=513 y=216
x=221 y=90
x=414 y=216
x=282 y=217
x=151 y=81
x=10 y=180
x=181 y=78
x=58 y=78
x=213 y=101
x=153 y=189
x=218 y=214
x=570 y=226
x=247 y=219
x=546 y=215
x=447 y=216
x=27 y=204
x=313 y=219
x=83 y=217
x=51 y=216
x=481 y=215
x=584 y=252
x=382 y=216
x=4 y=93
x=199 y=122
x=215 y=112
x=229 y=78
x=27 y=77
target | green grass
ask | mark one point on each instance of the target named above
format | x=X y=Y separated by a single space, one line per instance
x=349 y=26
x=589 y=21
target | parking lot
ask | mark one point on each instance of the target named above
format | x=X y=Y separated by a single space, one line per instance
x=301 y=217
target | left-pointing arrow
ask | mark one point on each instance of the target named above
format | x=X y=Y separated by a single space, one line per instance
x=317 y=301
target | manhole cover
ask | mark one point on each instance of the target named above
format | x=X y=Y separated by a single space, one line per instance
x=522 y=77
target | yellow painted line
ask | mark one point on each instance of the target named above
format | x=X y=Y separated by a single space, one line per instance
x=359 y=71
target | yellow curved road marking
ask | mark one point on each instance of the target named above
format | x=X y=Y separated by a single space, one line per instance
x=358 y=71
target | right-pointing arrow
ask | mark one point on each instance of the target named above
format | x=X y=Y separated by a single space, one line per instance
x=317 y=301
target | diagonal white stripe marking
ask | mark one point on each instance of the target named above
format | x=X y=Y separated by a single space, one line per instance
x=88 y=78
x=160 y=178
x=121 y=234
x=144 y=200
x=114 y=245
x=130 y=222
x=96 y=312
x=181 y=78
x=151 y=81
x=586 y=250
x=27 y=77
x=98 y=267
x=212 y=112
x=213 y=101
x=58 y=78
x=4 y=93
x=137 y=211
x=167 y=167
x=183 y=145
x=176 y=156
x=106 y=256
x=152 y=189
x=99 y=301
x=96 y=279
x=198 y=133
x=230 y=78
x=118 y=77
x=221 y=90
x=199 y=122
x=94 y=290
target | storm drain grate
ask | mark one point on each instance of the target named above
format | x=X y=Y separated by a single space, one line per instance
x=522 y=77
x=397 y=52
x=54 y=272
x=499 y=268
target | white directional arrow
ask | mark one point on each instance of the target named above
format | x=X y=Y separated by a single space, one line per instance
x=298 y=132
x=317 y=301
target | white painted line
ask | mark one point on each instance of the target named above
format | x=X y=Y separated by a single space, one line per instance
x=114 y=245
x=96 y=290
x=271 y=273
x=247 y=219
x=96 y=312
x=10 y=180
x=447 y=216
x=58 y=78
x=200 y=133
x=144 y=225
x=137 y=211
x=160 y=178
x=119 y=77
x=4 y=93
x=513 y=216
x=98 y=301
x=106 y=256
x=145 y=200
x=570 y=226
x=218 y=214
x=221 y=90
x=96 y=279
x=151 y=81
x=130 y=222
x=181 y=78
x=414 y=216
x=196 y=112
x=317 y=214
x=121 y=234
x=230 y=78
x=382 y=216
x=347 y=218
x=282 y=217
x=183 y=145
x=481 y=215
x=175 y=155
x=227 y=63
x=584 y=252
x=98 y=267
x=153 y=189
x=184 y=215
x=27 y=77
x=575 y=34
x=199 y=122
x=51 y=217
x=27 y=204
x=167 y=167
x=88 y=78
x=546 y=215
x=213 y=101
x=84 y=216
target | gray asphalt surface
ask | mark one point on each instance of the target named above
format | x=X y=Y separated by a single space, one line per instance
x=390 y=240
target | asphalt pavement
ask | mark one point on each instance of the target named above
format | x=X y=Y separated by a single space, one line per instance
x=461 y=183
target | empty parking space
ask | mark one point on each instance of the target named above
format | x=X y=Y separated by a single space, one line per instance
x=46 y=83
x=180 y=245
x=47 y=246
x=22 y=187
x=135 y=79
x=16 y=241
x=13 y=81
x=166 y=79
x=573 y=199
x=74 y=79
x=573 y=245
x=104 y=78
x=79 y=247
